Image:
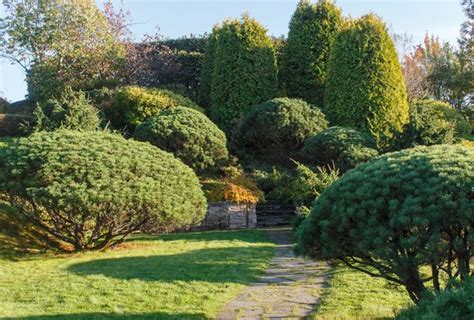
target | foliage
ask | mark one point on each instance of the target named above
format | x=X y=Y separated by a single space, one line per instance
x=313 y=29
x=236 y=186
x=12 y=125
x=130 y=106
x=345 y=147
x=3 y=105
x=188 y=134
x=454 y=303
x=60 y=43
x=72 y=110
x=173 y=276
x=274 y=183
x=208 y=69
x=278 y=127
x=91 y=190
x=365 y=88
x=394 y=214
x=433 y=122
x=243 y=71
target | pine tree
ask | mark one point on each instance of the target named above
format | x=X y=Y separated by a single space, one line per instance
x=365 y=87
x=313 y=29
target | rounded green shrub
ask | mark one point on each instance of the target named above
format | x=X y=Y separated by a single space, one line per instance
x=454 y=303
x=188 y=134
x=312 y=31
x=72 y=111
x=365 y=87
x=243 y=71
x=279 y=127
x=91 y=189
x=130 y=106
x=396 y=214
x=345 y=147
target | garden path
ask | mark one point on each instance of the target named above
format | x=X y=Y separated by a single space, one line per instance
x=290 y=289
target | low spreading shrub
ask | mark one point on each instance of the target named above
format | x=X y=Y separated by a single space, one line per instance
x=90 y=190
x=454 y=303
x=277 y=128
x=397 y=213
x=188 y=134
x=130 y=106
x=72 y=111
x=345 y=147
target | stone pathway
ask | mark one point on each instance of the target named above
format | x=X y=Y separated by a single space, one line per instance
x=290 y=289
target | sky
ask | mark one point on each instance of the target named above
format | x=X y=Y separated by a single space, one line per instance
x=176 y=18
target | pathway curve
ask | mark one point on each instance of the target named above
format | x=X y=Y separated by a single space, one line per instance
x=290 y=288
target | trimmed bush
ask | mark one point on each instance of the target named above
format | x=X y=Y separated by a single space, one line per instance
x=454 y=303
x=313 y=29
x=72 y=111
x=188 y=134
x=279 y=127
x=397 y=213
x=365 y=89
x=90 y=190
x=243 y=72
x=130 y=106
x=345 y=147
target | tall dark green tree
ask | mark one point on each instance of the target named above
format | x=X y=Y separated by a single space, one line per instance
x=243 y=70
x=207 y=68
x=365 y=87
x=313 y=29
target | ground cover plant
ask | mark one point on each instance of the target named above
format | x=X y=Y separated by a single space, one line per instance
x=91 y=190
x=178 y=276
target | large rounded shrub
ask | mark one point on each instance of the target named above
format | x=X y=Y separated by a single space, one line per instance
x=345 y=147
x=188 y=134
x=130 y=106
x=279 y=126
x=243 y=70
x=454 y=303
x=398 y=213
x=90 y=190
x=365 y=87
x=312 y=31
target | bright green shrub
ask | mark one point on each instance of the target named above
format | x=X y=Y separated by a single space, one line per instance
x=72 y=110
x=345 y=147
x=451 y=115
x=365 y=87
x=454 y=303
x=188 y=134
x=91 y=189
x=398 y=213
x=243 y=72
x=313 y=29
x=279 y=127
x=130 y=106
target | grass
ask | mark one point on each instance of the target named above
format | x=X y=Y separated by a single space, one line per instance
x=354 y=295
x=178 y=276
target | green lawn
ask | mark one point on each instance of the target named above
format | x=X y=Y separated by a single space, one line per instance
x=165 y=277
x=354 y=295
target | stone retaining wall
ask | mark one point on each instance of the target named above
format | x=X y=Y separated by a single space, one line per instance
x=228 y=215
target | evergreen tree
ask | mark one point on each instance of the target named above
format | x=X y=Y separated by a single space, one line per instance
x=365 y=87
x=243 y=71
x=313 y=29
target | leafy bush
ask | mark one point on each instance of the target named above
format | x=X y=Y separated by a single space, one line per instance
x=90 y=190
x=130 y=106
x=365 y=88
x=243 y=70
x=345 y=147
x=393 y=215
x=13 y=125
x=279 y=127
x=72 y=110
x=188 y=134
x=454 y=303
x=313 y=29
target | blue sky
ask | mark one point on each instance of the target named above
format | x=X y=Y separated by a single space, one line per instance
x=182 y=17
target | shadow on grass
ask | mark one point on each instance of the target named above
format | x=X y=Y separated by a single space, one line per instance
x=99 y=316
x=234 y=264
